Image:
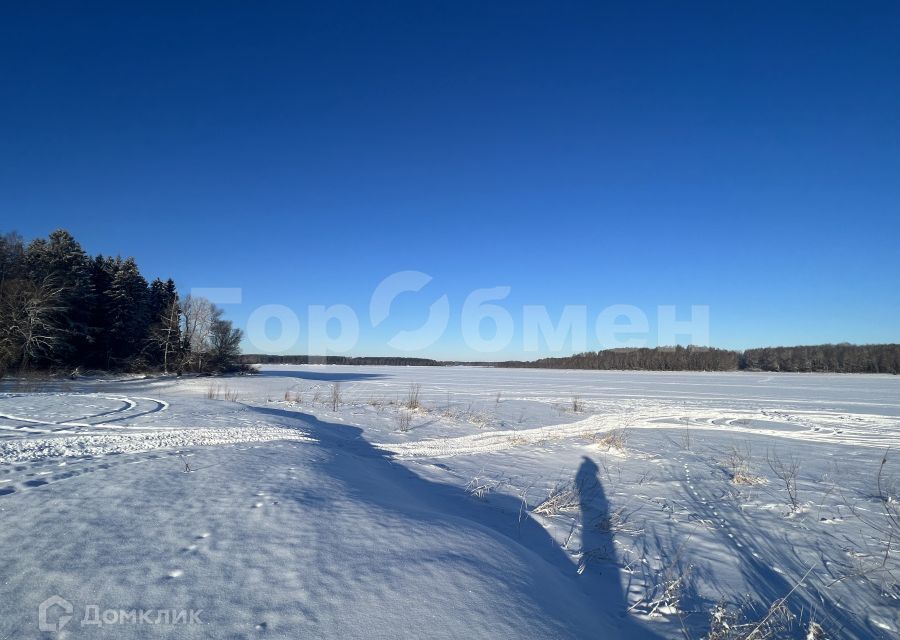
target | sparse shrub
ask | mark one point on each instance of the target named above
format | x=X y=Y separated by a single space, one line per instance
x=669 y=595
x=404 y=420
x=786 y=471
x=577 y=405
x=737 y=463
x=686 y=435
x=336 y=396
x=412 y=399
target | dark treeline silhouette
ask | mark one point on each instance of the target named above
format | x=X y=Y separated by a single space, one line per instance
x=644 y=359
x=826 y=358
x=64 y=310
x=838 y=358
x=261 y=358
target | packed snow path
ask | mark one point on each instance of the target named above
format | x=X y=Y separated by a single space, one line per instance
x=810 y=426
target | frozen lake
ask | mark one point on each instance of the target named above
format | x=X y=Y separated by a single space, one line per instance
x=359 y=501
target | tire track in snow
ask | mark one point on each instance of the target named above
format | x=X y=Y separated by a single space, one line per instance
x=77 y=425
x=870 y=430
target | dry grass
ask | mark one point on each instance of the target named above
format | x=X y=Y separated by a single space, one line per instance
x=617 y=521
x=564 y=497
x=404 y=420
x=412 y=399
x=219 y=392
x=737 y=463
x=480 y=487
x=738 y=623
x=613 y=439
x=336 y=397
x=747 y=479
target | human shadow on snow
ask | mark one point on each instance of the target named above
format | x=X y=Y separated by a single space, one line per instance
x=598 y=608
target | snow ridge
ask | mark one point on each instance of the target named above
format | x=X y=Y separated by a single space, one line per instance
x=22 y=450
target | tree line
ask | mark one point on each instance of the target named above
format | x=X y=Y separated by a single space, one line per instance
x=65 y=310
x=642 y=359
x=393 y=361
x=837 y=358
x=826 y=358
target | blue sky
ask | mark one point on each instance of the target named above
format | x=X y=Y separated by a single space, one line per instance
x=741 y=157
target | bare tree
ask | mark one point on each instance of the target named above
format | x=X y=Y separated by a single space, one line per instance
x=28 y=313
x=198 y=317
x=166 y=334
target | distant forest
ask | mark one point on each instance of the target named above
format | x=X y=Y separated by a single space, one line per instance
x=262 y=358
x=61 y=309
x=825 y=358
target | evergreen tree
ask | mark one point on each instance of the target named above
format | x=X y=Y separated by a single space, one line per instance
x=12 y=258
x=164 y=340
x=225 y=345
x=61 y=263
x=102 y=270
x=126 y=301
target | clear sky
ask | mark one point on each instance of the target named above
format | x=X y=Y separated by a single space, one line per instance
x=743 y=156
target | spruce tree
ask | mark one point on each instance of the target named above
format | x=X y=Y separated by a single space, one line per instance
x=164 y=339
x=61 y=263
x=127 y=301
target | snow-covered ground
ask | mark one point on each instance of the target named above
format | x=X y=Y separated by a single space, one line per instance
x=448 y=502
